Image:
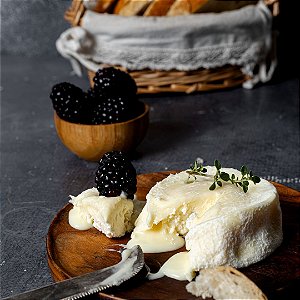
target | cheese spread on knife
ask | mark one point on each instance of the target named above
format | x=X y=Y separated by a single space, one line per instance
x=221 y=227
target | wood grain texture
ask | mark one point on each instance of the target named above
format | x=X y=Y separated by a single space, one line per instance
x=71 y=252
x=90 y=142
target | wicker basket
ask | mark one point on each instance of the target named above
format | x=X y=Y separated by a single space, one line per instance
x=153 y=81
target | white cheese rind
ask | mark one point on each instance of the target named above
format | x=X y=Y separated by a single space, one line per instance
x=239 y=238
x=221 y=227
x=110 y=215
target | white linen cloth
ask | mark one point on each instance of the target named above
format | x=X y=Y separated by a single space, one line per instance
x=242 y=37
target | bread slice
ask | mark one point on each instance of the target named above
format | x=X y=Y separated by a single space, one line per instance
x=131 y=7
x=185 y=7
x=103 y=6
x=217 y=6
x=100 y=6
x=119 y=5
x=224 y=282
x=158 y=7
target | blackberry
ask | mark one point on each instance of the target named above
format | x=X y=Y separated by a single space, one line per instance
x=114 y=109
x=67 y=100
x=107 y=110
x=111 y=81
x=91 y=109
x=115 y=174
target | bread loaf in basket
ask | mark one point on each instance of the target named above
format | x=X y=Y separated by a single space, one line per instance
x=154 y=7
x=154 y=78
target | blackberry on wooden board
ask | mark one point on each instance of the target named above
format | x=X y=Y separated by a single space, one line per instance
x=116 y=174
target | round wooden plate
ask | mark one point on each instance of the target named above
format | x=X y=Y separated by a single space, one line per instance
x=71 y=252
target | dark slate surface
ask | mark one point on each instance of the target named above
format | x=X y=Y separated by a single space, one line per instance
x=31 y=27
x=259 y=128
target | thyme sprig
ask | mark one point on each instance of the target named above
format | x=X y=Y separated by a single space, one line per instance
x=221 y=176
x=196 y=169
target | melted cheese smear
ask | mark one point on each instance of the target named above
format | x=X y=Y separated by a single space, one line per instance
x=177 y=267
x=156 y=240
x=77 y=220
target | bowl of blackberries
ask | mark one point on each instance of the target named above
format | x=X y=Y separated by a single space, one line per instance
x=106 y=117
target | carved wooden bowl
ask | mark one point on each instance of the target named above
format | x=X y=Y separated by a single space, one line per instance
x=90 y=142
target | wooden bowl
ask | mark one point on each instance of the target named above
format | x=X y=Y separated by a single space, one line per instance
x=90 y=142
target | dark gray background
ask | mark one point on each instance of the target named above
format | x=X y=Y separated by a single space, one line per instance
x=31 y=27
x=258 y=127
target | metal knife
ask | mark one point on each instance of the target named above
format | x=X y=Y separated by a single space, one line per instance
x=131 y=264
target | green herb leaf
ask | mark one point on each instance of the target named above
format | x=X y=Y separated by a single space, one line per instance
x=224 y=176
x=244 y=170
x=218 y=164
x=213 y=186
x=243 y=182
x=255 y=179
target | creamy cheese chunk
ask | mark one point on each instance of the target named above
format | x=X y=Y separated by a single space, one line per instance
x=110 y=215
x=221 y=227
x=177 y=267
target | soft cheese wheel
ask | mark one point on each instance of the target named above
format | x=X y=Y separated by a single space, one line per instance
x=240 y=237
x=221 y=227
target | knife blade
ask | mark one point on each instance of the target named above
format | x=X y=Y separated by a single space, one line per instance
x=77 y=287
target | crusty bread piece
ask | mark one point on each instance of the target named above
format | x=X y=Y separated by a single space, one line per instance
x=219 y=6
x=185 y=7
x=103 y=6
x=224 y=282
x=100 y=6
x=119 y=5
x=131 y=7
x=158 y=7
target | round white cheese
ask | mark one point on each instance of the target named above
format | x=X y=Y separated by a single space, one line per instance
x=221 y=227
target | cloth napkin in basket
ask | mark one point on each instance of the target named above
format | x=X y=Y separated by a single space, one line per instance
x=242 y=37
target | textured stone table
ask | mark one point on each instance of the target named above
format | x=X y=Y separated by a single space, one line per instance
x=259 y=128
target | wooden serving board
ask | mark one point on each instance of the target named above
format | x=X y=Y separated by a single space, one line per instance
x=71 y=252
